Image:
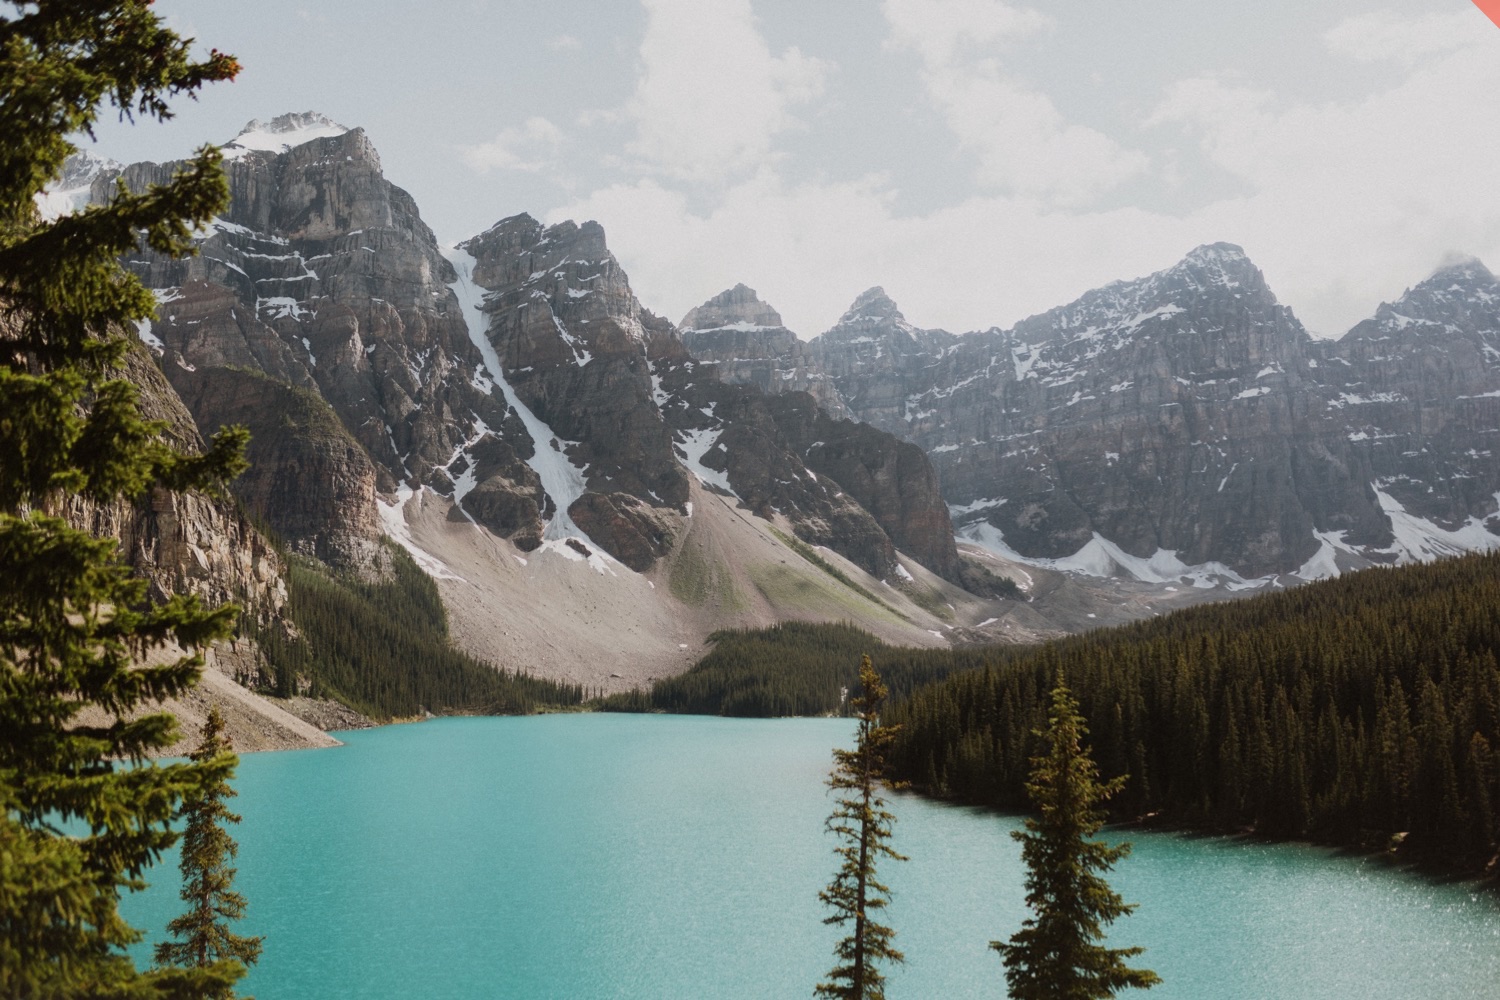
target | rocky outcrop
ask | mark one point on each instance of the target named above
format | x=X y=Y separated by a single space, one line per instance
x=891 y=479
x=322 y=277
x=756 y=448
x=308 y=478
x=744 y=337
x=1413 y=394
x=631 y=531
x=186 y=543
x=737 y=307
x=567 y=332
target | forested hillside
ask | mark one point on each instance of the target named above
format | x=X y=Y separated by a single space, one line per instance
x=383 y=648
x=796 y=668
x=1362 y=711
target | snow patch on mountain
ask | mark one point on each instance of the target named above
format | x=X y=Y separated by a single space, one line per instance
x=1419 y=540
x=1102 y=558
x=691 y=449
x=393 y=520
x=563 y=481
x=281 y=134
x=71 y=191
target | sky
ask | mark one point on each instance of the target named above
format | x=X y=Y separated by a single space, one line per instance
x=981 y=160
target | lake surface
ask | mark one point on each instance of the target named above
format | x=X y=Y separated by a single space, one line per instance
x=679 y=858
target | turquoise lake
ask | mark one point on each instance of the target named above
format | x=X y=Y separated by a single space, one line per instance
x=679 y=858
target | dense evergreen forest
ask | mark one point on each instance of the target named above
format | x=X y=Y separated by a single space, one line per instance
x=383 y=648
x=1362 y=711
x=795 y=668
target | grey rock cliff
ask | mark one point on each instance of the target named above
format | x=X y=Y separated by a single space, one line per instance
x=1189 y=411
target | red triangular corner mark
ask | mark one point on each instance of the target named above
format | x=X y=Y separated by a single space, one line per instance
x=1491 y=9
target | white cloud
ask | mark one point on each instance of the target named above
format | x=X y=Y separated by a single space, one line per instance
x=711 y=97
x=1342 y=203
x=1383 y=36
x=940 y=29
x=564 y=43
x=1357 y=199
x=531 y=147
x=809 y=249
x=1023 y=143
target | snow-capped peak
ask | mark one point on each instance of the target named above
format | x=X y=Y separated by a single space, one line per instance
x=70 y=192
x=282 y=133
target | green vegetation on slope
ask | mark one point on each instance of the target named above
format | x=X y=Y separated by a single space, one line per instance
x=809 y=553
x=796 y=668
x=1360 y=711
x=383 y=648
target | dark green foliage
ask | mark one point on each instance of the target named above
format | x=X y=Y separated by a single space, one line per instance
x=383 y=648
x=73 y=619
x=1057 y=954
x=863 y=826
x=1348 y=711
x=203 y=934
x=977 y=578
x=796 y=668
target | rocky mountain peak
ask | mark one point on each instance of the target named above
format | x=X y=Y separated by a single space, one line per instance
x=872 y=305
x=1462 y=267
x=1460 y=298
x=73 y=190
x=83 y=166
x=1216 y=265
x=282 y=133
x=736 y=307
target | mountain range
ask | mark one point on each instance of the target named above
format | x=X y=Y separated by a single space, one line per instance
x=595 y=489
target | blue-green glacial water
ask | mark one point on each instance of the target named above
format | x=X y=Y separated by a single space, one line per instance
x=679 y=858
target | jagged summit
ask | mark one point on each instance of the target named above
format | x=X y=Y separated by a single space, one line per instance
x=872 y=304
x=282 y=133
x=1216 y=264
x=738 y=307
x=73 y=189
x=1462 y=267
x=1216 y=253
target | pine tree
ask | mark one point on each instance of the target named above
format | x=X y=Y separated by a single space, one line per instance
x=78 y=827
x=1056 y=955
x=863 y=824
x=203 y=931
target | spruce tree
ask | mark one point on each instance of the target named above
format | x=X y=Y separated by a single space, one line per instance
x=1057 y=955
x=203 y=934
x=84 y=815
x=863 y=824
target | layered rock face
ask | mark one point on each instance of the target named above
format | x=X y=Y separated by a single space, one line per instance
x=617 y=397
x=745 y=338
x=321 y=289
x=567 y=331
x=1185 y=425
x=1415 y=393
x=186 y=543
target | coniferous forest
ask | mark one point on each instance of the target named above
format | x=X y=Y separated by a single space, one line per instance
x=383 y=648
x=1362 y=711
x=795 y=668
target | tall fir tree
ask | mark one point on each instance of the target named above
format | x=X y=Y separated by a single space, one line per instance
x=1057 y=954
x=84 y=815
x=203 y=934
x=863 y=825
